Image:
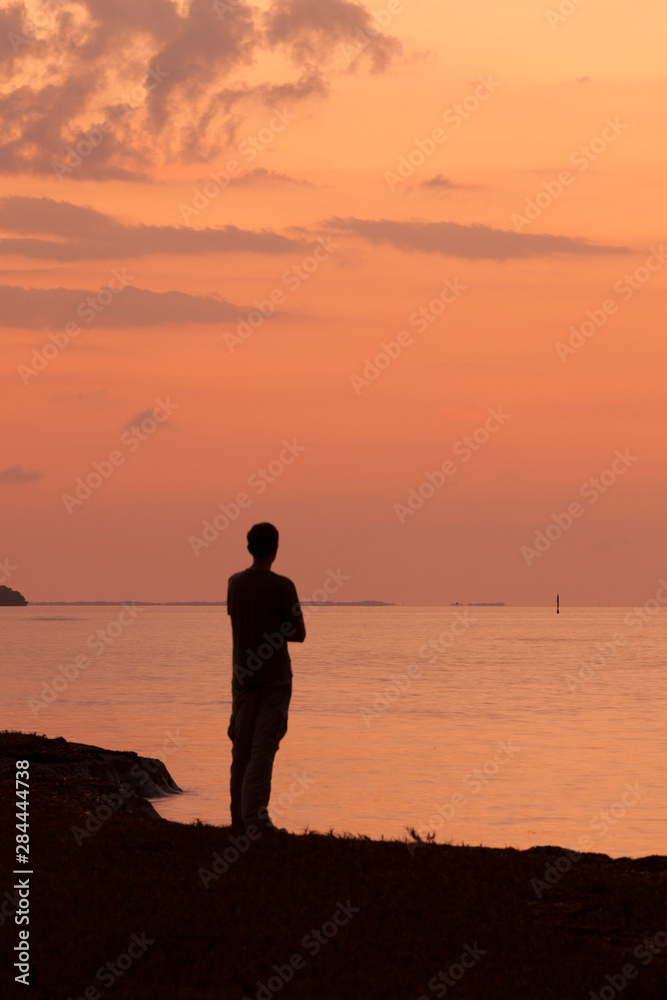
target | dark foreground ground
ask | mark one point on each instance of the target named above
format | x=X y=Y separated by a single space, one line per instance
x=131 y=905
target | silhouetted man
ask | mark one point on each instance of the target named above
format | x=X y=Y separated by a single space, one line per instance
x=266 y=615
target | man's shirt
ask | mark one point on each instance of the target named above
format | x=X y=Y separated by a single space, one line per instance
x=265 y=614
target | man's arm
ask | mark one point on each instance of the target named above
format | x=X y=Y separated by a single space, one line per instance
x=300 y=627
x=296 y=618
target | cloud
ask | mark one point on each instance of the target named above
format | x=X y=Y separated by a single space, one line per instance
x=269 y=178
x=439 y=181
x=147 y=414
x=437 y=186
x=131 y=307
x=308 y=29
x=167 y=81
x=82 y=233
x=17 y=474
x=473 y=242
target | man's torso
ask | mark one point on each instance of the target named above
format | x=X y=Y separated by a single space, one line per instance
x=263 y=607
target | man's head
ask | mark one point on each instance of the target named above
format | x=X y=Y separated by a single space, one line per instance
x=263 y=541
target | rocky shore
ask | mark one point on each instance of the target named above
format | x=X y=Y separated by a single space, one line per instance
x=122 y=898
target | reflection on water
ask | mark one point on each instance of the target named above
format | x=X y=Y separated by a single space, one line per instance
x=499 y=726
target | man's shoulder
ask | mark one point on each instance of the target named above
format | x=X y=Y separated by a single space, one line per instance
x=275 y=579
x=236 y=579
x=283 y=581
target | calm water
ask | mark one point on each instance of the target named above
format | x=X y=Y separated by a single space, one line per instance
x=485 y=744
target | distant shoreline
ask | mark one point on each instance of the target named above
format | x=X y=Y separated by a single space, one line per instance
x=212 y=604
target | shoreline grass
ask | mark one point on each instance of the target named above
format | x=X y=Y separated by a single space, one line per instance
x=313 y=915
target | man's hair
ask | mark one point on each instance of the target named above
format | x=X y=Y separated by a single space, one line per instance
x=262 y=540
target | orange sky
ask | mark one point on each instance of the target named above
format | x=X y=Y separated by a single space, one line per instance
x=515 y=151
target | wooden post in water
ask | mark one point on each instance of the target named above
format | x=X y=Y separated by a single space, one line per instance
x=557 y=604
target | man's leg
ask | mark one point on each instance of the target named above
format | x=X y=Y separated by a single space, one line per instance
x=240 y=732
x=270 y=727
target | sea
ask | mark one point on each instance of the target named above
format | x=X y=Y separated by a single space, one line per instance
x=499 y=726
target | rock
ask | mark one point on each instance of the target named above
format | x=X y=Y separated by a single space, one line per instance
x=147 y=776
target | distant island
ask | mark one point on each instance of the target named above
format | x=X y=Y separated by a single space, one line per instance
x=11 y=598
x=211 y=604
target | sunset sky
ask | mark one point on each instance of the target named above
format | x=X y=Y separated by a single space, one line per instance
x=453 y=189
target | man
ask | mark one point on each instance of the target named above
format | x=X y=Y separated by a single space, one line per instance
x=266 y=615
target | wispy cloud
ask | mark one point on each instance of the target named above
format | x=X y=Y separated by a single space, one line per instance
x=474 y=242
x=439 y=181
x=17 y=474
x=260 y=176
x=82 y=233
x=309 y=30
x=170 y=80
x=147 y=414
x=135 y=307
